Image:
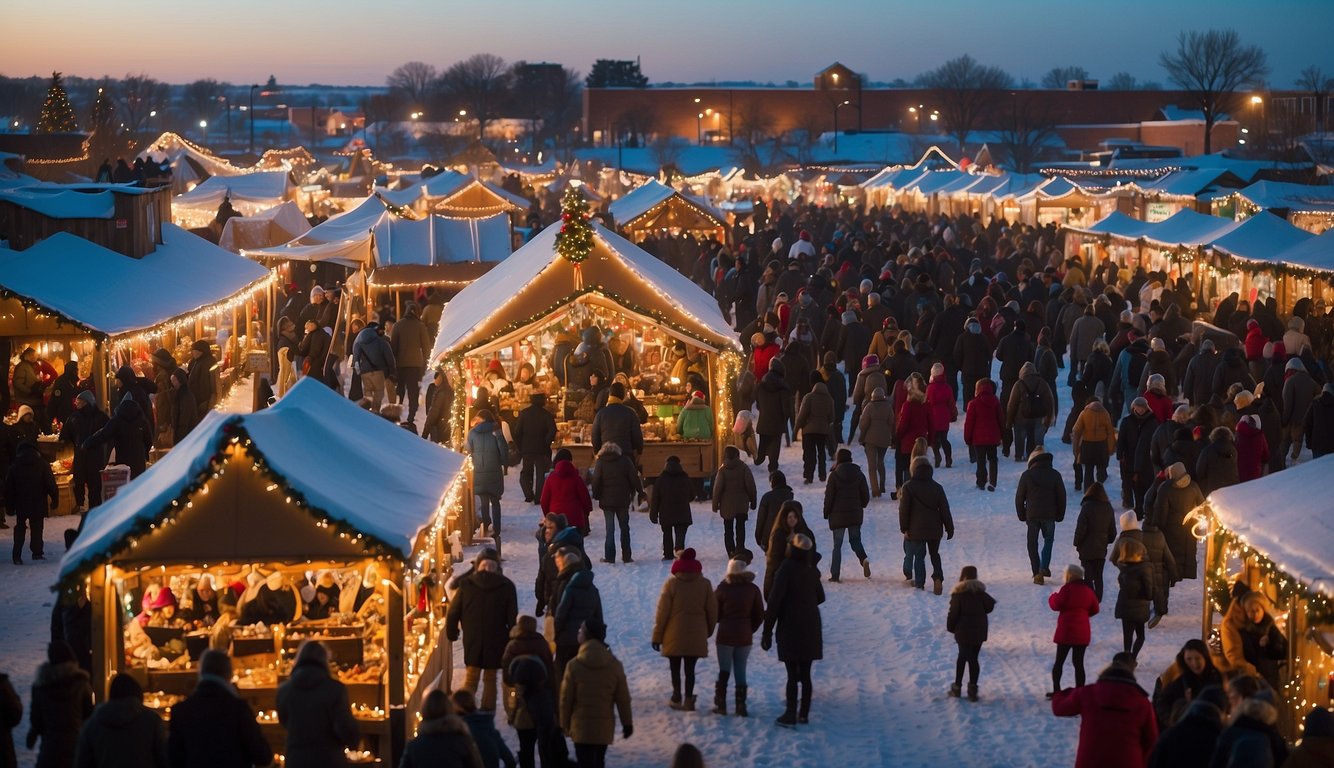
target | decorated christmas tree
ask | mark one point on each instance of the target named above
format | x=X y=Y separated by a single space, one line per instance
x=575 y=240
x=57 y=113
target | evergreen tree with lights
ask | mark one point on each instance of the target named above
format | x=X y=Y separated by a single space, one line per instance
x=103 y=112
x=57 y=113
x=575 y=240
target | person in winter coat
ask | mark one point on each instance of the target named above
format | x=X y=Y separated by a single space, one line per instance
x=1159 y=363
x=484 y=608
x=912 y=421
x=1182 y=681
x=1252 y=643
x=789 y=522
x=815 y=420
x=924 y=516
x=616 y=422
x=565 y=493
x=27 y=486
x=1086 y=330
x=1135 y=595
x=870 y=377
x=202 y=382
x=794 y=607
x=1299 y=391
x=129 y=434
x=616 y=486
x=1232 y=369
x=1251 y=737
x=1039 y=501
x=85 y=422
x=734 y=495
x=967 y=621
x=184 y=413
x=687 y=613
x=740 y=614
x=1075 y=603
x=530 y=700
x=481 y=724
x=1319 y=428
x=695 y=421
x=773 y=400
x=490 y=454
x=11 y=714
x=578 y=601
x=62 y=699
x=1189 y=743
x=213 y=726
x=845 y=498
x=1094 y=531
x=1254 y=344
x=1117 y=728
x=1217 y=466
x=941 y=412
x=877 y=429
x=122 y=731
x=1014 y=351
x=1177 y=499
x=313 y=707
x=1252 y=449
x=1317 y=746
x=972 y=354
x=534 y=432
x=1094 y=438
x=1030 y=410
x=443 y=740
x=1159 y=557
x=594 y=684
x=766 y=517
x=669 y=506
x=1198 y=385
x=1133 y=439
x=983 y=425
x=410 y=342
x=555 y=534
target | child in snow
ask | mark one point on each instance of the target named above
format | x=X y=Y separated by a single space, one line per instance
x=983 y=423
x=1075 y=603
x=967 y=621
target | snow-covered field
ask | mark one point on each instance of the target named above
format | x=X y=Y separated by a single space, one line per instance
x=880 y=693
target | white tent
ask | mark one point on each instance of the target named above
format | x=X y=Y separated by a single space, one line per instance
x=650 y=195
x=1317 y=253
x=1187 y=228
x=278 y=225
x=250 y=194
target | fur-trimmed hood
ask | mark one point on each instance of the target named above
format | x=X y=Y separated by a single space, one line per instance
x=1256 y=709
x=968 y=585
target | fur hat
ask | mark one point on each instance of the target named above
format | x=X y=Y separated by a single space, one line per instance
x=1129 y=520
x=1243 y=400
x=870 y=360
x=736 y=567
x=1176 y=471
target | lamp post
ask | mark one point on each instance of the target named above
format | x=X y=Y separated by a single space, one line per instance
x=227 y=105
x=699 y=124
x=1258 y=103
x=203 y=132
x=837 y=107
x=250 y=115
x=152 y=113
x=916 y=119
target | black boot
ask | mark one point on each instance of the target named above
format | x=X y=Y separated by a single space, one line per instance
x=720 y=694
x=972 y=691
x=675 y=701
x=804 y=716
x=741 y=701
x=789 y=717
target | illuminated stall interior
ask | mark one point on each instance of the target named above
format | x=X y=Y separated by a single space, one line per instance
x=1270 y=534
x=302 y=536
x=654 y=209
x=539 y=302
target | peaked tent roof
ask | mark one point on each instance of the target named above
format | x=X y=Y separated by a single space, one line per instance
x=1315 y=253
x=1188 y=228
x=264 y=187
x=278 y=225
x=1288 y=196
x=1116 y=224
x=116 y=295
x=647 y=196
x=535 y=282
x=309 y=439
x=1261 y=237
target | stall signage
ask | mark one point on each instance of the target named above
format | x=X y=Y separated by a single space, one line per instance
x=1156 y=212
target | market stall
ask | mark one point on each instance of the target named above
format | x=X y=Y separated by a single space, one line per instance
x=262 y=530
x=1274 y=535
x=654 y=209
x=525 y=320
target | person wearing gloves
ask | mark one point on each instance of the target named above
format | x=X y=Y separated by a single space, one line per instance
x=687 y=613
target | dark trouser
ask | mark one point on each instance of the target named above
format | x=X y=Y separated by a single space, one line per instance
x=1077 y=654
x=689 y=664
x=799 y=673
x=410 y=388
x=1027 y=436
x=902 y=468
x=914 y=560
x=854 y=534
x=969 y=388
x=533 y=473
x=856 y=420
x=875 y=467
x=21 y=523
x=564 y=653
x=734 y=533
x=941 y=440
x=590 y=755
x=673 y=539
x=1007 y=434
x=769 y=445
x=986 y=463
x=813 y=448
x=488 y=512
x=615 y=517
x=1092 y=463
x=836 y=435
x=1047 y=528
x=1133 y=490
x=86 y=478
x=967 y=656
x=1132 y=635
x=1160 y=591
x=549 y=748
x=528 y=748
x=1093 y=574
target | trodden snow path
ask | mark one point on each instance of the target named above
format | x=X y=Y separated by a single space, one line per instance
x=881 y=690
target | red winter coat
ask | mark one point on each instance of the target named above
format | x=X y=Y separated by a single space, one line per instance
x=913 y=422
x=564 y=493
x=1160 y=406
x=1255 y=341
x=761 y=356
x=1076 y=603
x=1117 y=727
x=1252 y=452
x=983 y=419
x=942 y=410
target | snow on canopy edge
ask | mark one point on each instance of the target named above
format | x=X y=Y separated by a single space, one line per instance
x=1261 y=237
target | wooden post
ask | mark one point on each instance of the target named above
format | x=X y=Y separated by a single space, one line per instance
x=1206 y=620
x=394 y=639
x=102 y=604
x=99 y=372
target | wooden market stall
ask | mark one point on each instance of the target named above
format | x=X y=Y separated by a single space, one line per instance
x=655 y=209
x=303 y=535
x=1275 y=535
x=534 y=308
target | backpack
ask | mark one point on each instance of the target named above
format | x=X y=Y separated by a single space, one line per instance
x=1035 y=403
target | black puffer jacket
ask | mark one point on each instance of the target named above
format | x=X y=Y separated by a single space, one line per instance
x=616 y=482
x=1096 y=528
x=577 y=600
x=485 y=609
x=924 y=510
x=122 y=732
x=29 y=483
x=967 y=617
x=62 y=700
x=535 y=429
x=1136 y=592
x=669 y=504
x=794 y=606
x=773 y=399
x=314 y=709
x=1041 y=492
x=846 y=495
x=129 y=433
x=1217 y=466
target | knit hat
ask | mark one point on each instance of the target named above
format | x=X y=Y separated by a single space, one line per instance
x=686 y=562
x=1182 y=414
x=87 y=397
x=1127 y=316
x=1295 y=364
x=315 y=290
x=165 y=597
x=1129 y=520
x=736 y=567
x=849 y=317
x=1157 y=345
x=937 y=369
x=1139 y=402
x=1157 y=383
x=1243 y=400
x=870 y=360
x=969 y=572
x=201 y=346
x=1176 y=471
x=163 y=357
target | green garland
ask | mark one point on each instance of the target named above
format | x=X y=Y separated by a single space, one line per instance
x=574 y=241
x=1319 y=607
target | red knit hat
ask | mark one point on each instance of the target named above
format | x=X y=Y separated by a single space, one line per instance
x=686 y=563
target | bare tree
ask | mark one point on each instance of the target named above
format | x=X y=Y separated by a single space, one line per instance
x=1122 y=81
x=1026 y=131
x=1314 y=81
x=200 y=99
x=414 y=82
x=481 y=82
x=1211 y=66
x=805 y=132
x=1057 y=77
x=754 y=127
x=666 y=152
x=637 y=122
x=137 y=97
x=969 y=92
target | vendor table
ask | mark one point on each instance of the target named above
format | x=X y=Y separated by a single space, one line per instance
x=696 y=456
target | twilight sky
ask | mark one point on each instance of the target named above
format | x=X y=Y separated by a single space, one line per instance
x=358 y=42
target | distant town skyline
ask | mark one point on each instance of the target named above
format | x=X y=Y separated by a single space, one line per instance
x=341 y=42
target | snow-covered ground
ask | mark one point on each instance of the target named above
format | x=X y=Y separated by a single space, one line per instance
x=880 y=692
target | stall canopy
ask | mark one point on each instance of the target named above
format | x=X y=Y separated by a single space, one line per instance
x=1276 y=515
x=1118 y=225
x=112 y=295
x=1187 y=228
x=1316 y=253
x=466 y=195
x=654 y=205
x=1261 y=237
x=438 y=249
x=344 y=239
x=275 y=226
x=536 y=282
x=313 y=444
x=250 y=193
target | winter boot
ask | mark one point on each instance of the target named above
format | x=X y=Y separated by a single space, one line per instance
x=720 y=694
x=804 y=716
x=789 y=717
x=866 y=568
x=675 y=701
x=741 y=701
x=972 y=691
x=689 y=704
x=937 y=585
x=956 y=690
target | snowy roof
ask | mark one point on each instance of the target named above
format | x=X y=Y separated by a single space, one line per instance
x=1116 y=224
x=1172 y=113
x=310 y=439
x=263 y=187
x=1189 y=228
x=1277 y=515
x=1187 y=183
x=1261 y=238
x=1055 y=187
x=535 y=282
x=1314 y=253
x=115 y=294
x=894 y=178
x=934 y=181
x=275 y=226
x=649 y=195
x=1288 y=196
x=441 y=240
x=61 y=202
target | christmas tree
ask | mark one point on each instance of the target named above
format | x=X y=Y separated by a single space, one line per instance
x=103 y=112
x=575 y=239
x=57 y=113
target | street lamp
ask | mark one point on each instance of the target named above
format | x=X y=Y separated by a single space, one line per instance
x=837 y=107
x=203 y=132
x=152 y=113
x=250 y=115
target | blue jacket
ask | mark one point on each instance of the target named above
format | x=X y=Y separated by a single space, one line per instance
x=486 y=445
x=371 y=352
